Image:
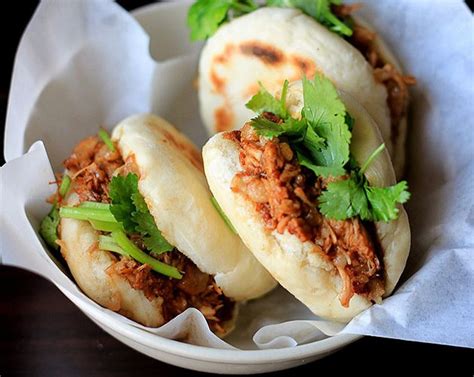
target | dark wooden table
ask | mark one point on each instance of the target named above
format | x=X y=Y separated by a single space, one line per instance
x=44 y=334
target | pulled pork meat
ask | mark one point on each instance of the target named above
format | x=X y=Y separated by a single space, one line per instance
x=91 y=168
x=397 y=84
x=196 y=289
x=286 y=196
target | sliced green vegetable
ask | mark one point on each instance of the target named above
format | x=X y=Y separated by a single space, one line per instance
x=96 y=205
x=49 y=228
x=103 y=134
x=105 y=226
x=133 y=251
x=87 y=214
x=65 y=185
x=222 y=214
x=107 y=243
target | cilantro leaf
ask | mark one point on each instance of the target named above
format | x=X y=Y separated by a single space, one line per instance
x=323 y=171
x=291 y=127
x=145 y=225
x=326 y=114
x=321 y=140
x=129 y=208
x=205 y=16
x=354 y=197
x=263 y=101
x=320 y=10
x=383 y=200
x=337 y=202
x=121 y=190
x=49 y=228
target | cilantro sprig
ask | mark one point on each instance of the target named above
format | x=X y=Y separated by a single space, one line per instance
x=355 y=197
x=205 y=16
x=126 y=216
x=320 y=10
x=130 y=209
x=321 y=137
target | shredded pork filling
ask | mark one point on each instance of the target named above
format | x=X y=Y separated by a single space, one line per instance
x=91 y=167
x=286 y=196
x=397 y=84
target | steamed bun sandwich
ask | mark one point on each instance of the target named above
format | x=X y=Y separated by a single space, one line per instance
x=134 y=220
x=310 y=188
x=289 y=39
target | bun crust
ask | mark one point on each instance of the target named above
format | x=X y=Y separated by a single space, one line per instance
x=271 y=45
x=175 y=189
x=293 y=263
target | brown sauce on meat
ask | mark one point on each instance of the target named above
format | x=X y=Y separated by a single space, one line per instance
x=396 y=83
x=286 y=196
x=91 y=167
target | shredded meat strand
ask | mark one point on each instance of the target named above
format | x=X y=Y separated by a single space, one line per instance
x=91 y=167
x=286 y=196
x=196 y=289
x=396 y=83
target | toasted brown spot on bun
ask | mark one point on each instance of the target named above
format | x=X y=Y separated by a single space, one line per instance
x=188 y=150
x=218 y=82
x=224 y=118
x=304 y=65
x=268 y=54
x=226 y=54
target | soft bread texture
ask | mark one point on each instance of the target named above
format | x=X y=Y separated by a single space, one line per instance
x=90 y=269
x=177 y=195
x=398 y=143
x=176 y=192
x=293 y=263
x=274 y=44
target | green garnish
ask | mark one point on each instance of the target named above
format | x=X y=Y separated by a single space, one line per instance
x=222 y=214
x=106 y=139
x=320 y=10
x=96 y=205
x=106 y=226
x=107 y=243
x=354 y=197
x=321 y=139
x=49 y=228
x=119 y=243
x=49 y=225
x=65 y=185
x=89 y=214
x=128 y=214
x=205 y=16
x=129 y=208
x=264 y=101
x=133 y=251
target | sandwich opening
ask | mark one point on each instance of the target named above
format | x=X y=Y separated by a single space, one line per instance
x=285 y=194
x=91 y=167
x=385 y=73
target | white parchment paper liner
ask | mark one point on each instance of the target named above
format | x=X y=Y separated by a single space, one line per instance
x=82 y=64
